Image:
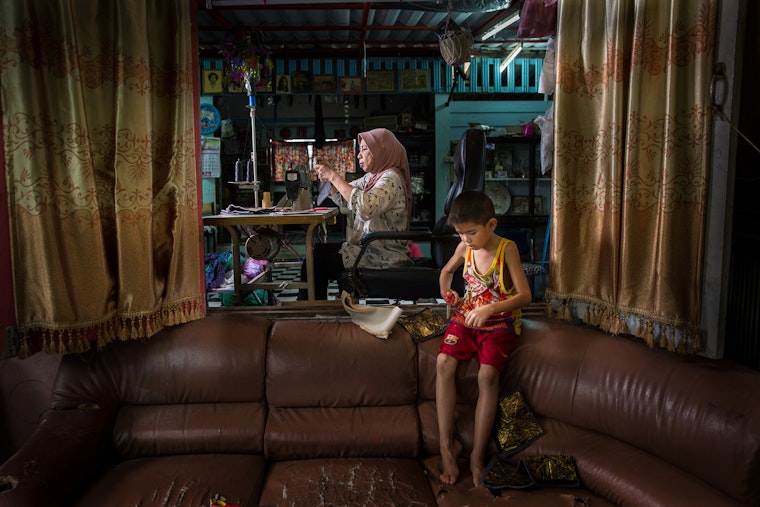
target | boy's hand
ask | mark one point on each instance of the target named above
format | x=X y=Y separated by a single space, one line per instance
x=451 y=297
x=478 y=316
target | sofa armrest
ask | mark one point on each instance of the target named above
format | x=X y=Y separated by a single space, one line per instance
x=61 y=457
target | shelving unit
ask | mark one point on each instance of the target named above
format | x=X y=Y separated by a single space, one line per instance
x=522 y=198
x=420 y=151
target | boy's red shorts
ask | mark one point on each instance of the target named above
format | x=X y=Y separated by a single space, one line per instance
x=490 y=346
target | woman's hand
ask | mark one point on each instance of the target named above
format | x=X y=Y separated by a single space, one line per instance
x=325 y=172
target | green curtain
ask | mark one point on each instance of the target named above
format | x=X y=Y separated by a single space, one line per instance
x=632 y=137
x=99 y=112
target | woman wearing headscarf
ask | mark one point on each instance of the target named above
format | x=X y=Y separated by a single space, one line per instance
x=381 y=200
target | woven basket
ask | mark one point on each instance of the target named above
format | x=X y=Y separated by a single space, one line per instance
x=456 y=47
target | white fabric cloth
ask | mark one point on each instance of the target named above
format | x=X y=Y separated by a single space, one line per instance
x=376 y=320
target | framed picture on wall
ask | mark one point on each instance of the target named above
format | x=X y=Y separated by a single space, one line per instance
x=211 y=82
x=283 y=84
x=415 y=81
x=301 y=81
x=324 y=83
x=234 y=87
x=380 y=81
x=350 y=84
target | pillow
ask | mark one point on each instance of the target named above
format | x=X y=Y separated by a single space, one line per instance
x=423 y=325
x=516 y=426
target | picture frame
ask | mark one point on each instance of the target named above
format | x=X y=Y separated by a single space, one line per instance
x=351 y=84
x=520 y=205
x=301 y=81
x=538 y=205
x=211 y=82
x=415 y=81
x=380 y=81
x=325 y=83
x=283 y=84
x=235 y=88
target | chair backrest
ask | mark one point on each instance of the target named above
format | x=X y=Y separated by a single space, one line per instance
x=469 y=170
x=469 y=165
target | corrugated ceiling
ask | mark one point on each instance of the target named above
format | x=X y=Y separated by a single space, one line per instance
x=291 y=28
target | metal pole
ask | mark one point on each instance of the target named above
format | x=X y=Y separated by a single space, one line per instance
x=252 y=107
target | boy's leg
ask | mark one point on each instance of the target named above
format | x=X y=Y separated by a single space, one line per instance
x=485 y=412
x=445 y=402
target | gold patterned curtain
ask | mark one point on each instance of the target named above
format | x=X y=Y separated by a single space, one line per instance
x=99 y=116
x=632 y=135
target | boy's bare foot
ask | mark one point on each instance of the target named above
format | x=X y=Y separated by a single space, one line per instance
x=477 y=468
x=450 y=473
x=477 y=475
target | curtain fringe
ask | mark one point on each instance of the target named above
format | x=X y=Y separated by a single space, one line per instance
x=673 y=337
x=74 y=340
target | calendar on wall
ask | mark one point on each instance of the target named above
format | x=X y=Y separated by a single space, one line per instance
x=211 y=164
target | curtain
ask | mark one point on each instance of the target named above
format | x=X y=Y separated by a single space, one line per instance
x=341 y=155
x=632 y=116
x=99 y=116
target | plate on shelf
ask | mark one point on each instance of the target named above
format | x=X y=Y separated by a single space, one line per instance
x=500 y=196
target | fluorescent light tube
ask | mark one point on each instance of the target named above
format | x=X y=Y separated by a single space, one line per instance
x=511 y=56
x=501 y=25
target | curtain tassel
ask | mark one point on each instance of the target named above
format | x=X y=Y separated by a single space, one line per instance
x=101 y=338
x=25 y=350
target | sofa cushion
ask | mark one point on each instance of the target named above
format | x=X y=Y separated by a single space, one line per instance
x=335 y=390
x=219 y=358
x=340 y=432
x=336 y=364
x=154 y=430
x=188 y=480
x=625 y=474
x=179 y=391
x=678 y=408
x=347 y=483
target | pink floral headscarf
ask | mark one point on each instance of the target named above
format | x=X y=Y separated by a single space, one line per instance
x=388 y=155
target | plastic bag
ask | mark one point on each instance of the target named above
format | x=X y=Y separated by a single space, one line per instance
x=546 y=123
x=547 y=81
x=253 y=267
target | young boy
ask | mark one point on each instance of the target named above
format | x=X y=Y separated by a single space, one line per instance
x=485 y=324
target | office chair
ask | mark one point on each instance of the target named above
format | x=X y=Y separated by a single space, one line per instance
x=420 y=280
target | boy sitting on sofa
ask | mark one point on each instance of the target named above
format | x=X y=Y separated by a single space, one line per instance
x=485 y=324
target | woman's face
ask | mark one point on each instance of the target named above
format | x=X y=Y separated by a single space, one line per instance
x=366 y=162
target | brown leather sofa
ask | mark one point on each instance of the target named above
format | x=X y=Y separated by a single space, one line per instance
x=318 y=412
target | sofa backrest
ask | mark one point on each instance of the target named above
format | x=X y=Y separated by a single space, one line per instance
x=337 y=391
x=192 y=388
x=699 y=414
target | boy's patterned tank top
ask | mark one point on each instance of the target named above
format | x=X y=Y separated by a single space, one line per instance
x=487 y=287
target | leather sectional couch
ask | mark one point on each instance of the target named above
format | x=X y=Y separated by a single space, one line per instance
x=320 y=413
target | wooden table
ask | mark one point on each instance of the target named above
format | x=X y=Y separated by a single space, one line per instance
x=309 y=218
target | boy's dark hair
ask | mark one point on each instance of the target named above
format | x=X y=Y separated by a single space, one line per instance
x=471 y=206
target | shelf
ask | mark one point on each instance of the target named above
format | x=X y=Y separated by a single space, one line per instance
x=530 y=193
